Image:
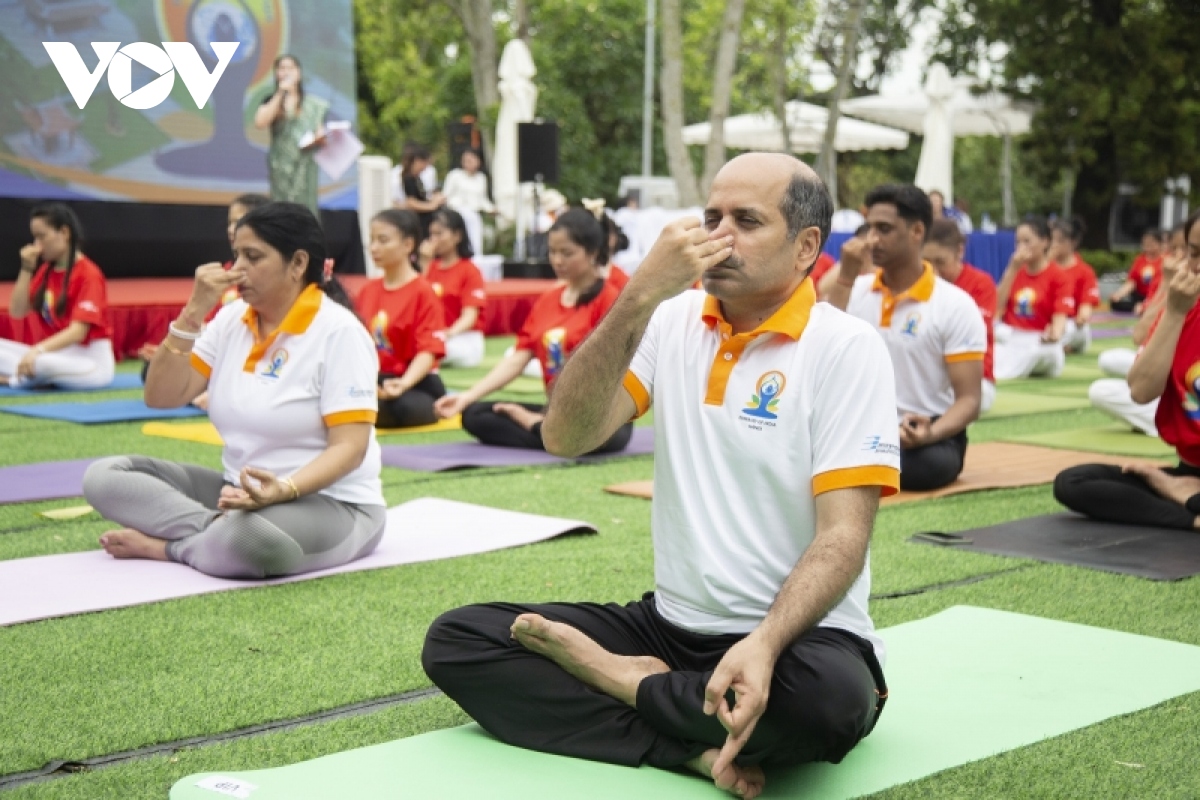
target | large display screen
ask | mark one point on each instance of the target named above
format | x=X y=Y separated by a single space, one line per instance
x=172 y=152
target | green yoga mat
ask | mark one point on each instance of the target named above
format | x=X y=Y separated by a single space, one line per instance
x=1015 y=404
x=965 y=684
x=1112 y=439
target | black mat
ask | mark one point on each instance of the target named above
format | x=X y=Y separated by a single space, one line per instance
x=1160 y=554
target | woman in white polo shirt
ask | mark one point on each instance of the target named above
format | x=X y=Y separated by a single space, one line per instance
x=290 y=373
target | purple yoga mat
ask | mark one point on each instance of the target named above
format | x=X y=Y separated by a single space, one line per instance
x=1110 y=333
x=461 y=455
x=47 y=481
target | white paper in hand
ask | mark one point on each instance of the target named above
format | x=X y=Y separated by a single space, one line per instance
x=341 y=151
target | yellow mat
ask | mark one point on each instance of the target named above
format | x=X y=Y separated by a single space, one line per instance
x=205 y=433
x=991 y=465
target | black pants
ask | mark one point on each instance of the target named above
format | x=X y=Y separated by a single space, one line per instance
x=414 y=407
x=1126 y=305
x=936 y=465
x=826 y=694
x=489 y=427
x=1106 y=493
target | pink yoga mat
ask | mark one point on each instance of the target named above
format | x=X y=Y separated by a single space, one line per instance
x=461 y=455
x=420 y=530
x=50 y=480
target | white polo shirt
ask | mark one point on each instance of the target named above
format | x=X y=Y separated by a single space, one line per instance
x=273 y=400
x=927 y=327
x=749 y=428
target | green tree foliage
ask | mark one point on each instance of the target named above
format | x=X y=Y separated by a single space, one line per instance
x=1116 y=83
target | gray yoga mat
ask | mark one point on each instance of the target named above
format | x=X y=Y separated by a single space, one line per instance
x=464 y=455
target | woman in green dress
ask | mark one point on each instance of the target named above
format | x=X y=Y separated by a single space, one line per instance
x=297 y=123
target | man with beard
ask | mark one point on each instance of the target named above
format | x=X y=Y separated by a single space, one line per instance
x=774 y=437
x=933 y=330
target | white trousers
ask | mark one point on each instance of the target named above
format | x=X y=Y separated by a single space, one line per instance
x=1023 y=354
x=1112 y=396
x=464 y=350
x=987 y=396
x=532 y=370
x=80 y=366
x=1117 y=362
x=1077 y=338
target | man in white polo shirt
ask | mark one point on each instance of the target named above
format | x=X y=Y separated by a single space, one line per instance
x=774 y=437
x=933 y=330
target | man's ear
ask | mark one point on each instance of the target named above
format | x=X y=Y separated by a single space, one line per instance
x=808 y=248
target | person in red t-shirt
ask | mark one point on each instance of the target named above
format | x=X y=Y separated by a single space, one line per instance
x=1065 y=236
x=944 y=249
x=458 y=282
x=405 y=319
x=1143 y=277
x=1168 y=368
x=557 y=324
x=67 y=291
x=1035 y=303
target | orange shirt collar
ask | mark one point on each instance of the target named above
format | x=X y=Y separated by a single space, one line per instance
x=790 y=320
x=299 y=316
x=921 y=291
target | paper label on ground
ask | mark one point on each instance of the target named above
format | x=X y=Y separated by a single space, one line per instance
x=230 y=787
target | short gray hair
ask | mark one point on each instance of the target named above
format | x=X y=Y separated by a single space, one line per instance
x=806 y=204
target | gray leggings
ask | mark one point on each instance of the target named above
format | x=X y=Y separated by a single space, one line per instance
x=178 y=502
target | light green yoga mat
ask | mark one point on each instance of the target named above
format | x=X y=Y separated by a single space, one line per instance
x=965 y=684
x=1015 y=404
x=1113 y=439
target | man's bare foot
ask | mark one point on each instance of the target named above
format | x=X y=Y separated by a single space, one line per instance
x=746 y=782
x=519 y=414
x=570 y=648
x=128 y=543
x=1177 y=488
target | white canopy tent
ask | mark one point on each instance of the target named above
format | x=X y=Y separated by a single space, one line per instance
x=806 y=127
x=946 y=108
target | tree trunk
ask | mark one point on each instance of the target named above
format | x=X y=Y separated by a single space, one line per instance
x=779 y=56
x=1095 y=189
x=827 y=162
x=476 y=17
x=521 y=16
x=672 y=104
x=727 y=46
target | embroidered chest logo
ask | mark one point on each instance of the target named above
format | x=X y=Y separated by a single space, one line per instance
x=555 y=342
x=1025 y=300
x=379 y=324
x=1191 y=397
x=48 y=307
x=765 y=400
x=911 y=324
x=1147 y=274
x=278 y=358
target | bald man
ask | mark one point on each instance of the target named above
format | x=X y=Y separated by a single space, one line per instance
x=775 y=435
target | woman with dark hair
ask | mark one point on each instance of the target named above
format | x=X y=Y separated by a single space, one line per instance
x=297 y=123
x=414 y=161
x=405 y=319
x=559 y=321
x=615 y=241
x=67 y=290
x=1035 y=302
x=458 y=282
x=1065 y=236
x=466 y=188
x=290 y=373
x=1168 y=370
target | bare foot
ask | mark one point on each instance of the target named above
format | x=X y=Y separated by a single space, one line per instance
x=519 y=414
x=128 y=543
x=570 y=648
x=1177 y=488
x=745 y=782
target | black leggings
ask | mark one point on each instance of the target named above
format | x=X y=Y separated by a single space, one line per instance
x=487 y=426
x=1127 y=304
x=936 y=465
x=414 y=407
x=1106 y=493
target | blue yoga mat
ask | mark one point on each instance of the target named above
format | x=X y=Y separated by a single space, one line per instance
x=126 y=380
x=103 y=411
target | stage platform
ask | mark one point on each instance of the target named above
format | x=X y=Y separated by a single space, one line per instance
x=141 y=308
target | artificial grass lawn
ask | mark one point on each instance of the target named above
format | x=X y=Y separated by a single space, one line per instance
x=101 y=683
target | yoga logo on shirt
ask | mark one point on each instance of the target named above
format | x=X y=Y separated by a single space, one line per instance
x=765 y=399
x=555 y=342
x=48 y=307
x=1025 y=300
x=911 y=324
x=379 y=326
x=1148 y=273
x=1191 y=399
x=437 y=289
x=278 y=359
